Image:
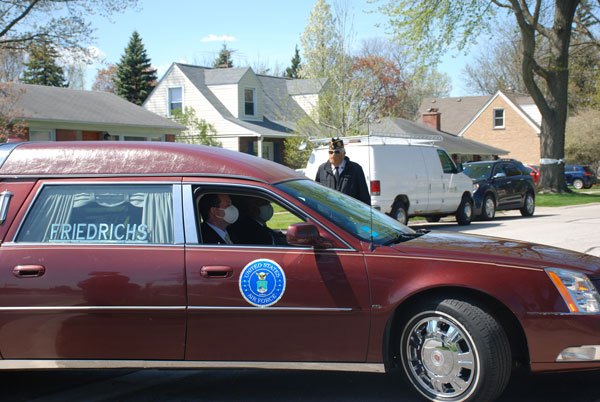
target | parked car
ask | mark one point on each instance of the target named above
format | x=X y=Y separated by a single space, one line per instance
x=579 y=176
x=501 y=185
x=534 y=172
x=104 y=264
x=407 y=179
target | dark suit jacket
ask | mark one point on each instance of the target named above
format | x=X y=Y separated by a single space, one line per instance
x=352 y=180
x=209 y=236
x=248 y=231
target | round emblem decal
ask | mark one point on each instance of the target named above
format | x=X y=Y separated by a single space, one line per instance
x=262 y=282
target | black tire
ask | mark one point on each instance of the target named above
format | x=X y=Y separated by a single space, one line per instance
x=452 y=350
x=433 y=219
x=400 y=213
x=578 y=184
x=588 y=186
x=488 y=208
x=528 y=205
x=464 y=213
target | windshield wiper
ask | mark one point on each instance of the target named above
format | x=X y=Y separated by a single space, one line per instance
x=402 y=237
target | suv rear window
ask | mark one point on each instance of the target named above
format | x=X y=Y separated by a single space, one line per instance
x=114 y=214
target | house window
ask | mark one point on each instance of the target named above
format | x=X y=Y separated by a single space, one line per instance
x=498 y=118
x=249 y=102
x=175 y=99
x=40 y=135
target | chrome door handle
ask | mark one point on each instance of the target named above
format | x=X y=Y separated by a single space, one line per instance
x=216 y=271
x=29 y=271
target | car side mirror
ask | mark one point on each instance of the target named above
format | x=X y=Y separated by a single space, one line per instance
x=306 y=234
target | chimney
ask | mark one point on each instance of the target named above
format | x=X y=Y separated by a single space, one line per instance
x=432 y=118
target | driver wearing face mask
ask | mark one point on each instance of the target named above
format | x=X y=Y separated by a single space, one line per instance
x=251 y=228
x=218 y=213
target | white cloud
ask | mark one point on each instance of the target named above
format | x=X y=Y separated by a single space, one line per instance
x=218 y=38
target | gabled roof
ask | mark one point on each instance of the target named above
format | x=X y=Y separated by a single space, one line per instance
x=281 y=113
x=43 y=103
x=457 y=113
x=305 y=86
x=397 y=127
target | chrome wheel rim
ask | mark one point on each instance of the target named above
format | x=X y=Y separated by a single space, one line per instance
x=490 y=207
x=468 y=210
x=530 y=204
x=440 y=357
x=578 y=184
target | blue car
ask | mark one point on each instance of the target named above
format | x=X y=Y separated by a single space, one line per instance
x=579 y=176
x=500 y=185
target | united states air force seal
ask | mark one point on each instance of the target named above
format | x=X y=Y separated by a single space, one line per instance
x=262 y=282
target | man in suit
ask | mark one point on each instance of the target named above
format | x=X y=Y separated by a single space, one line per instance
x=251 y=227
x=343 y=175
x=218 y=213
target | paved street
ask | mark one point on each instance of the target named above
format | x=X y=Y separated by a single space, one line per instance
x=574 y=227
x=569 y=227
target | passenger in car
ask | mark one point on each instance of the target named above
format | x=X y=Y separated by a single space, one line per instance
x=218 y=213
x=251 y=227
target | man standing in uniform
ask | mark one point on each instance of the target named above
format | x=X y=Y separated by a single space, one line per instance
x=343 y=175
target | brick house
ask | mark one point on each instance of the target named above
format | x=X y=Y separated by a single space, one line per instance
x=507 y=121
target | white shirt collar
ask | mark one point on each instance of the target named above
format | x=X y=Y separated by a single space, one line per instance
x=222 y=233
x=340 y=168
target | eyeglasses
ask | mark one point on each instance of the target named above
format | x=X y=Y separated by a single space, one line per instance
x=336 y=151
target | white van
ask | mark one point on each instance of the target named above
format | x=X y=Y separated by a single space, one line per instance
x=407 y=178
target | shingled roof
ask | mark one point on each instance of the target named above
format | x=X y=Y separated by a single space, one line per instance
x=44 y=103
x=281 y=113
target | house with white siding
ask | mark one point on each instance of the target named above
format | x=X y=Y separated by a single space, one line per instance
x=251 y=113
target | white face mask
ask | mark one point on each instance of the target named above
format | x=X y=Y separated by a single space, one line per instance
x=231 y=214
x=266 y=212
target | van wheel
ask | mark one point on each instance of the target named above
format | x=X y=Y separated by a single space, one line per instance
x=529 y=205
x=489 y=208
x=578 y=184
x=452 y=350
x=464 y=214
x=400 y=214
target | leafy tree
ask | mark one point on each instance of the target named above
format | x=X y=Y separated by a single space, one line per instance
x=224 y=59
x=437 y=25
x=199 y=131
x=105 y=79
x=583 y=138
x=10 y=124
x=294 y=70
x=42 y=68
x=135 y=76
x=296 y=152
x=62 y=23
x=11 y=64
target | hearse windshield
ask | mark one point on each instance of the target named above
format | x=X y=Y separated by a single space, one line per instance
x=348 y=213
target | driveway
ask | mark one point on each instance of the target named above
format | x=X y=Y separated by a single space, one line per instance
x=573 y=227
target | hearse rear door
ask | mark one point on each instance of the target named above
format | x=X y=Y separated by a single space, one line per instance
x=96 y=271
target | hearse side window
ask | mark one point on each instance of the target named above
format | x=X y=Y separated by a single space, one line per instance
x=260 y=220
x=114 y=214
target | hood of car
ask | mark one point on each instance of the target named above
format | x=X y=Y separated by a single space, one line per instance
x=498 y=251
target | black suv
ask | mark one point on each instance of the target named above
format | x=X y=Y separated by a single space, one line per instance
x=500 y=185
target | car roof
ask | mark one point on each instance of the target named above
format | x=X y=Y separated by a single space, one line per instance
x=125 y=158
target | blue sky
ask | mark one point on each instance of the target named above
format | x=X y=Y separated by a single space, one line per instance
x=263 y=32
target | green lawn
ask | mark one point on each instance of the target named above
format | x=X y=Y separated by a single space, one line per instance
x=577 y=197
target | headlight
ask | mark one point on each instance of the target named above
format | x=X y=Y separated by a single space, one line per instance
x=576 y=289
x=475 y=187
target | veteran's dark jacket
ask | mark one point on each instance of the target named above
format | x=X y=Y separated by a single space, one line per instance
x=352 y=180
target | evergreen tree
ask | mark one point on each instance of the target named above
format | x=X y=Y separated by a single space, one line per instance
x=224 y=60
x=294 y=70
x=41 y=69
x=135 y=76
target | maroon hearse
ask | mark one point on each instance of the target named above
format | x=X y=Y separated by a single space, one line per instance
x=103 y=265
